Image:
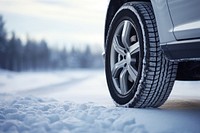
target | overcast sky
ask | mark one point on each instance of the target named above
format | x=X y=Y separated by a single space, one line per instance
x=57 y=21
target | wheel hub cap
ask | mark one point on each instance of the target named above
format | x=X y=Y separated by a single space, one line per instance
x=128 y=58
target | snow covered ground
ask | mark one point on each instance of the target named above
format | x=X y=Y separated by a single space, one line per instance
x=77 y=101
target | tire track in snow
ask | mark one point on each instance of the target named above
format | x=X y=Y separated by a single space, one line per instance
x=55 y=87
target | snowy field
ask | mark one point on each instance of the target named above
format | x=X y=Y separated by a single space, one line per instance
x=78 y=102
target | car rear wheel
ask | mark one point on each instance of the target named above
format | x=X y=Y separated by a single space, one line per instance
x=138 y=74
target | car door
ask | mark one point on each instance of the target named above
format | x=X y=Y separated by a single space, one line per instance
x=185 y=15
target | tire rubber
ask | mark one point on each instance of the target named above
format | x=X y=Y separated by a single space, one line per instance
x=156 y=74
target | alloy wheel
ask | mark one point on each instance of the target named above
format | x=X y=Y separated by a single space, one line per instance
x=124 y=59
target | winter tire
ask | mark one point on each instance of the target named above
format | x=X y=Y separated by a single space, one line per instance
x=137 y=73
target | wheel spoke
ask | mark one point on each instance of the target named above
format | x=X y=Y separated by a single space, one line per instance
x=117 y=67
x=123 y=81
x=133 y=73
x=135 y=48
x=118 y=48
x=126 y=34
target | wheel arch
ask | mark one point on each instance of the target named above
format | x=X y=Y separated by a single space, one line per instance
x=113 y=7
x=161 y=11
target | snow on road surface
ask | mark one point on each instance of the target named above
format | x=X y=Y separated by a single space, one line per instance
x=30 y=114
x=77 y=101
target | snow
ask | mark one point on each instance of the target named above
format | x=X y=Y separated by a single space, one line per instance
x=31 y=114
x=77 y=101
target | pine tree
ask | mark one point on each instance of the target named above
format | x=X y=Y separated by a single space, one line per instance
x=2 y=43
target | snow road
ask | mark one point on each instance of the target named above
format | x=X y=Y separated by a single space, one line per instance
x=78 y=101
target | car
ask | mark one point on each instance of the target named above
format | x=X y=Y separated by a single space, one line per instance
x=148 y=45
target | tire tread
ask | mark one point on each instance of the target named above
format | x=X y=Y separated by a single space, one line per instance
x=160 y=72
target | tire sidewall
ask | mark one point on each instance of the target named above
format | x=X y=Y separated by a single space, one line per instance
x=121 y=15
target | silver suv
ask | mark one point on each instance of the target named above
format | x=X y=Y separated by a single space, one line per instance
x=148 y=45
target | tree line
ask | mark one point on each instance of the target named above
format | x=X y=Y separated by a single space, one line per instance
x=36 y=55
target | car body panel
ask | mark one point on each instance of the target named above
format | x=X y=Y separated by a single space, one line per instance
x=162 y=15
x=186 y=18
x=163 y=20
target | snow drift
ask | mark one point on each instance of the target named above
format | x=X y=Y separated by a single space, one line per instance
x=35 y=115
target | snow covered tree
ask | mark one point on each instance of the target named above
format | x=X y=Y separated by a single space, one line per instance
x=42 y=55
x=14 y=53
x=86 y=60
x=73 y=61
x=2 y=43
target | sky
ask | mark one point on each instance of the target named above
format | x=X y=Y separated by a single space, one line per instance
x=59 y=22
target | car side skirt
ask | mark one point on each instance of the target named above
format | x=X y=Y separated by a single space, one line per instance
x=184 y=50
